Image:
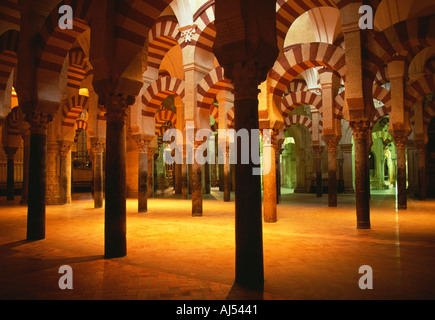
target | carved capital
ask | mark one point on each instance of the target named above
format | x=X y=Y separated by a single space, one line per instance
x=400 y=142
x=317 y=151
x=142 y=145
x=10 y=152
x=360 y=129
x=38 y=122
x=65 y=148
x=246 y=78
x=116 y=105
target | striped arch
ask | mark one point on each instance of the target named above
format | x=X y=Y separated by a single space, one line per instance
x=159 y=91
x=162 y=37
x=164 y=118
x=210 y=86
x=79 y=68
x=289 y=10
x=416 y=91
x=302 y=120
x=293 y=100
x=297 y=85
x=135 y=18
x=406 y=37
x=301 y=57
x=10 y=14
x=55 y=43
x=205 y=30
x=73 y=108
x=8 y=55
x=81 y=124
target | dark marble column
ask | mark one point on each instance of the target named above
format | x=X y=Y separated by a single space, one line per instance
x=401 y=172
x=318 y=166
x=97 y=165
x=360 y=137
x=115 y=181
x=249 y=233
x=422 y=170
x=26 y=147
x=37 y=174
x=10 y=182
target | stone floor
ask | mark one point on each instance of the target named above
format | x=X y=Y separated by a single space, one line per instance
x=312 y=252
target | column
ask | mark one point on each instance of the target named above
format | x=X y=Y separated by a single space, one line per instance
x=65 y=172
x=97 y=165
x=37 y=174
x=401 y=191
x=318 y=165
x=332 y=172
x=143 y=175
x=399 y=123
x=26 y=147
x=150 y=187
x=116 y=189
x=53 y=170
x=360 y=137
x=196 y=185
x=227 y=173
x=422 y=170
x=347 y=168
x=269 y=179
x=10 y=182
x=249 y=233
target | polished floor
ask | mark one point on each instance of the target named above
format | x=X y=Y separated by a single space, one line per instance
x=312 y=252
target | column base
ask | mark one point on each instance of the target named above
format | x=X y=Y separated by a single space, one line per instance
x=363 y=225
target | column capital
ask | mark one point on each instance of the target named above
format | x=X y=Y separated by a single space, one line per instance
x=317 y=151
x=400 y=142
x=10 y=152
x=65 y=147
x=246 y=78
x=38 y=122
x=116 y=105
x=361 y=129
x=142 y=145
x=97 y=146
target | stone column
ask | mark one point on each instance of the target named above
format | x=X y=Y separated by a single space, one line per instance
x=360 y=136
x=318 y=165
x=401 y=191
x=347 y=168
x=37 y=174
x=65 y=172
x=227 y=174
x=196 y=185
x=143 y=175
x=422 y=170
x=53 y=170
x=26 y=147
x=332 y=171
x=249 y=233
x=269 y=179
x=116 y=189
x=10 y=182
x=150 y=187
x=97 y=165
